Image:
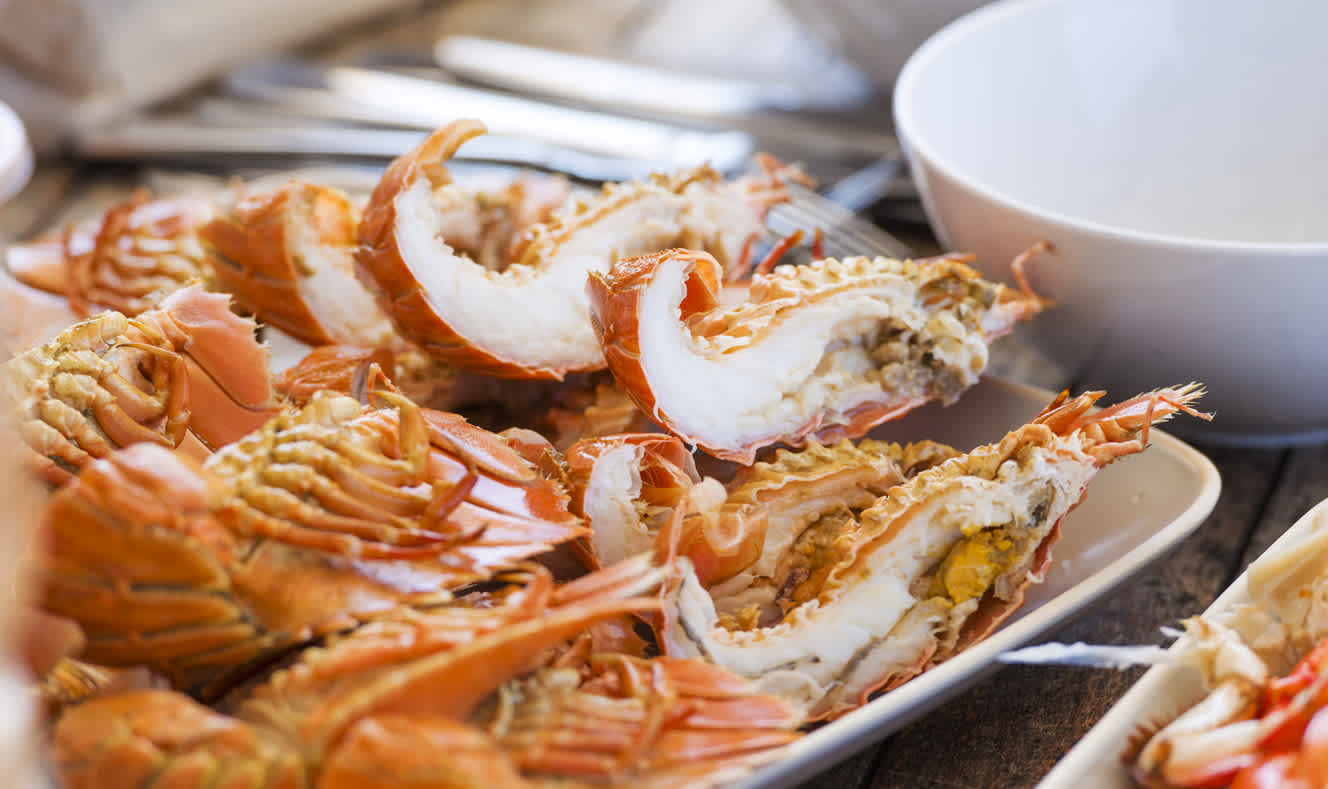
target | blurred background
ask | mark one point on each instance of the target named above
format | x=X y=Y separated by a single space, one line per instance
x=89 y=55
x=212 y=84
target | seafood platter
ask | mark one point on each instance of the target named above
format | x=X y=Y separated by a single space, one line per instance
x=518 y=486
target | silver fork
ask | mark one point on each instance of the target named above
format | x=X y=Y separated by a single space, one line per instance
x=845 y=233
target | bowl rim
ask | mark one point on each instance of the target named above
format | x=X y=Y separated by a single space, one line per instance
x=16 y=157
x=915 y=147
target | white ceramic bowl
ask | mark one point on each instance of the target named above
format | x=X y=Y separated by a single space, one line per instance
x=16 y=160
x=1174 y=153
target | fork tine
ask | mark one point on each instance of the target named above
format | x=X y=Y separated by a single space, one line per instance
x=848 y=223
x=845 y=233
x=839 y=251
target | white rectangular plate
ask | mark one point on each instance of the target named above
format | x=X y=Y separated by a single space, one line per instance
x=1136 y=511
x=1160 y=694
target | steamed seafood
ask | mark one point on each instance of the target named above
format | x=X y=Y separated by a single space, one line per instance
x=626 y=487
x=531 y=319
x=186 y=569
x=629 y=721
x=188 y=374
x=931 y=567
x=138 y=249
x=1264 y=663
x=360 y=589
x=823 y=351
x=286 y=255
x=307 y=724
x=805 y=498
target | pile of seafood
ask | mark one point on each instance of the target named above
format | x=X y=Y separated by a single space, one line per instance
x=542 y=488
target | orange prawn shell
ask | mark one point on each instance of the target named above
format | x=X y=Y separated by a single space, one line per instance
x=211 y=388
x=249 y=249
x=381 y=266
x=615 y=309
x=667 y=468
x=1110 y=433
x=615 y=312
x=102 y=263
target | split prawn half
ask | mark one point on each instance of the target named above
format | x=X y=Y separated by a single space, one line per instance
x=286 y=255
x=933 y=566
x=531 y=320
x=824 y=351
x=751 y=541
x=805 y=498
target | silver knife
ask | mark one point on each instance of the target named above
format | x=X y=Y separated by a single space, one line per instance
x=381 y=97
x=772 y=111
x=146 y=138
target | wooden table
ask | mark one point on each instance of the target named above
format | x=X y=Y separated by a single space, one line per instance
x=1012 y=727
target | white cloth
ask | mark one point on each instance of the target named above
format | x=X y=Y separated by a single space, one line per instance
x=68 y=63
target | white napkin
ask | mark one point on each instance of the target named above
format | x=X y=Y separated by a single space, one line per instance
x=65 y=64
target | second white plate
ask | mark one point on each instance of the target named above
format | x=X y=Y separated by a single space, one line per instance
x=1162 y=692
